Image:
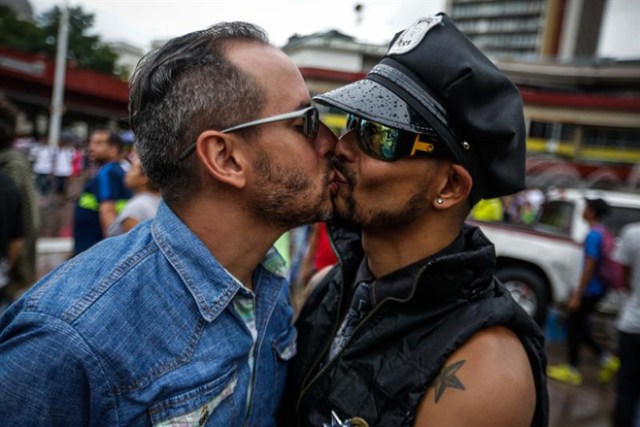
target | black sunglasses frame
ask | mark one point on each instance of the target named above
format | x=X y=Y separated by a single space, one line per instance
x=310 y=125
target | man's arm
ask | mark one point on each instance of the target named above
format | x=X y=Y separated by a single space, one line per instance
x=15 y=247
x=487 y=382
x=623 y=254
x=107 y=214
x=587 y=274
x=110 y=188
x=592 y=254
x=49 y=375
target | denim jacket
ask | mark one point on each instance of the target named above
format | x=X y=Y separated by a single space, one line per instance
x=143 y=329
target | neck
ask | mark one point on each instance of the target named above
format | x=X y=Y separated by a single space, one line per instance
x=237 y=240
x=389 y=250
x=146 y=190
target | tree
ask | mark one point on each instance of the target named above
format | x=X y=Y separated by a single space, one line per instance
x=86 y=49
x=20 y=35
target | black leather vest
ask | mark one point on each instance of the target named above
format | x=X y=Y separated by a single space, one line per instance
x=398 y=349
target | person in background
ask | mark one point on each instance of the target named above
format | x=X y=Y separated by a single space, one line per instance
x=186 y=319
x=43 y=156
x=318 y=257
x=583 y=301
x=627 y=253
x=23 y=273
x=63 y=168
x=103 y=196
x=412 y=328
x=489 y=210
x=319 y=253
x=142 y=206
x=11 y=231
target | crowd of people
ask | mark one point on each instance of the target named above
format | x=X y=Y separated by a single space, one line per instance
x=187 y=318
x=106 y=172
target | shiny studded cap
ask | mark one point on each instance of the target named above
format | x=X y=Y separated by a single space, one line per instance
x=433 y=77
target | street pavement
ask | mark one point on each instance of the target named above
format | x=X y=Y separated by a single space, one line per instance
x=590 y=404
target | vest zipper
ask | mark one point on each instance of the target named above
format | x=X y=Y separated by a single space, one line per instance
x=355 y=331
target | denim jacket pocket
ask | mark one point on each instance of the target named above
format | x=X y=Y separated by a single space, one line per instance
x=285 y=344
x=209 y=403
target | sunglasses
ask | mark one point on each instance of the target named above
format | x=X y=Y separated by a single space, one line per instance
x=310 y=124
x=389 y=144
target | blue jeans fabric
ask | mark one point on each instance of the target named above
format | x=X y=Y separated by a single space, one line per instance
x=140 y=330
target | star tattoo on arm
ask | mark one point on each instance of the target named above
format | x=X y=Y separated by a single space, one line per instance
x=447 y=379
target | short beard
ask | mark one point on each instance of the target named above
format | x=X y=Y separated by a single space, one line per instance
x=373 y=218
x=283 y=200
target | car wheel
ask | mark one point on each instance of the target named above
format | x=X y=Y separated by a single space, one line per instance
x=527 y=289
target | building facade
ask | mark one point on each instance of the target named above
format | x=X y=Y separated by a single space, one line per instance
x=531 y=29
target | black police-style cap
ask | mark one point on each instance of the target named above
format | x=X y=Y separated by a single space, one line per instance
x=433 y=77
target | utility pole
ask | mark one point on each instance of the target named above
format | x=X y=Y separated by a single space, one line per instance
x=57 y=106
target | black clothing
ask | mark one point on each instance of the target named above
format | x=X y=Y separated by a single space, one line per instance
x=11 y=225
x=579 y=330
x=367 y=292
x=628 y=387
x=401 y=345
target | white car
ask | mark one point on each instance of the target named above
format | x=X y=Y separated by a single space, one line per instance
x=541 y=264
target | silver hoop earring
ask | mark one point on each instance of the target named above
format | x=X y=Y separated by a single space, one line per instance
x=439 y=201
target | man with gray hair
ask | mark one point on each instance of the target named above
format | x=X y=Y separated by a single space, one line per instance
x=186 y=319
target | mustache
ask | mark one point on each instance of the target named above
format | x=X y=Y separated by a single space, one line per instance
x=341 y=168
x=337 y=164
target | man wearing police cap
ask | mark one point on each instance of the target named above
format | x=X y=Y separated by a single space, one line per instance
x=412 y=327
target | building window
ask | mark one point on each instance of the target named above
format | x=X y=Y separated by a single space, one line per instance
x=611 y=137
x=551 y=130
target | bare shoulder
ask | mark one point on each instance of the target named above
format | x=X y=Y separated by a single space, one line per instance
x=486 y=382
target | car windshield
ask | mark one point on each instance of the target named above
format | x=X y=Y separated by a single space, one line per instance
x=619 y=217
x=556 y=217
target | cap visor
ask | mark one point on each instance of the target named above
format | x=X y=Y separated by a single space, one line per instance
x=373 y=101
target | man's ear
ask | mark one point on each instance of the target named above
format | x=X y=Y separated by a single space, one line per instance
x=455 y=189
x=219 y=154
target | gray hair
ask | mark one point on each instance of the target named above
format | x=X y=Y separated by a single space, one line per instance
x=182 y=89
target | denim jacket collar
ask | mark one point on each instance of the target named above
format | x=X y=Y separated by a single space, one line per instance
x=210 y=284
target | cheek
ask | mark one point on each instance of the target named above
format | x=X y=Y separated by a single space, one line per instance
x=391 y=181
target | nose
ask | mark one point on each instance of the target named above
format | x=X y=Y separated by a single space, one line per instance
x=346 y=147
x=325 y=142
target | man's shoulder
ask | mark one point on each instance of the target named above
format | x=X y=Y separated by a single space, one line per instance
x=595 y=232
x=81 y=284
x=111 y=169
x=323 y=285
x=489 y=378
x=630 y=231
x=7 y=184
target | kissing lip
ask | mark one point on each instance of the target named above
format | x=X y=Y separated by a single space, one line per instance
x=332 y=182
x=339 y=178
x=338 y=167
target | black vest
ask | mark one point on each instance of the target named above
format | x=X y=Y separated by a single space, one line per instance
x=399 y=348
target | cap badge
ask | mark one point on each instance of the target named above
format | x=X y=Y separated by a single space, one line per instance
x=412 y=36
